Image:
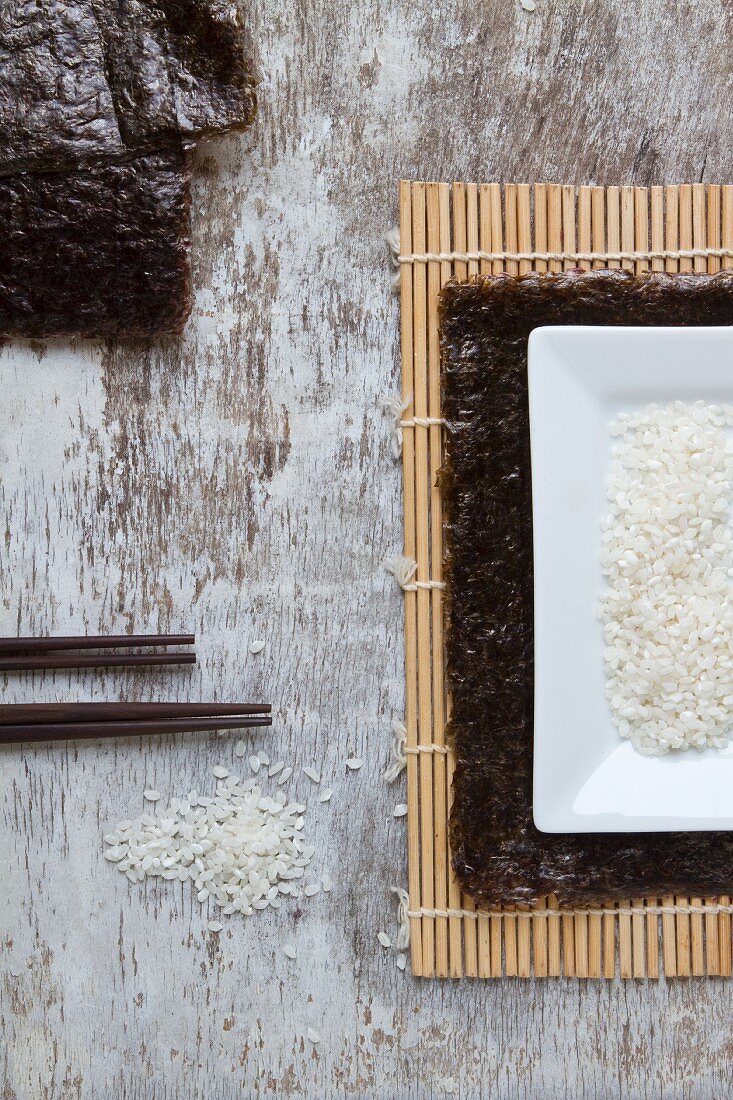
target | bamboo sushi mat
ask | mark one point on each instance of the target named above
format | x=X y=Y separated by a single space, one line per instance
x=455 y=231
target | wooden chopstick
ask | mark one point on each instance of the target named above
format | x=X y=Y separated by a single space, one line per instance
x=17 y=714
x=132 y=660
x=113 y=641
x=63 y=731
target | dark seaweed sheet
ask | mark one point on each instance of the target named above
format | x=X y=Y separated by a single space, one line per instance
x=499 y=856
x=100 y=80
x=100 y=251
x=176 y=67
x=98 y=101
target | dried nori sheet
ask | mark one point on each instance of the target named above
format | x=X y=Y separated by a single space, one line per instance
x=91 y=80
x=100 y=251
x=499 y=856
x=176 y=67
x=98 y=101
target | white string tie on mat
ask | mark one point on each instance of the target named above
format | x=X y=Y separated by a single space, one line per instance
x=601 y=911
x=517 y=257
x=403 y=570
x=398 y=759
x=392 y=238
x=403 y=904
x=394 y=406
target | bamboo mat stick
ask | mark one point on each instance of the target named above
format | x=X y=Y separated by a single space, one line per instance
x=524 y=244
x=688 y=929
x=497 y=244
x=568 y=224
x=598 y=207
x=641 y=226
x=483 y=930
x=554 y=223
x=510 y=225
x=653 y=925
x=453 y=893
x=638 y=941
x=435 y=570
x=585 y=238
x=497 y=227
x=714 y=263
x=540 y=224
x=652 y=942
x=580 y=924
x=460 y=270
x=541 y=927
x=554 y=940
x=473 y=941
x=422 y=497
x=714 y=930
x=699 y=225
x=613 y=223
x=554 y=241
x=723 y=199
x=699 y=240
x=625 y=234
x=524 y=225
x=641 y=244
x=408 y=470
x=657 y=226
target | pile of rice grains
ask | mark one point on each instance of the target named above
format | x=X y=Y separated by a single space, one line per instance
x=241 y=848
x=667 y=551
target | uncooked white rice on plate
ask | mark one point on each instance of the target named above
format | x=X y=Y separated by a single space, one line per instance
x=667 y=557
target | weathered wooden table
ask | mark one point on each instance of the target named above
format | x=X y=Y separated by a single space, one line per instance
x=239 y=481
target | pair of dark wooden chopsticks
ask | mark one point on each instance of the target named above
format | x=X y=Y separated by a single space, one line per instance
x=24 y=654
x=60 y=721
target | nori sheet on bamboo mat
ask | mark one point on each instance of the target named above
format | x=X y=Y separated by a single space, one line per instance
x=498 y=854
x=99 y=99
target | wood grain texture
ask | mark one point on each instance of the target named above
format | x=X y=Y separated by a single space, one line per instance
x=239 y=481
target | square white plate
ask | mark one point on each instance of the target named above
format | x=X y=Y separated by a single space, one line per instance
x=586 y=778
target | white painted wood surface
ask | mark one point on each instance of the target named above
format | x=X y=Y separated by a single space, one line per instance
x=239 y=481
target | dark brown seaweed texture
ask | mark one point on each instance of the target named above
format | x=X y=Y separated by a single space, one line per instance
x=96 y=250
x=90 y=80
x=98 y=101
x=499 y=856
